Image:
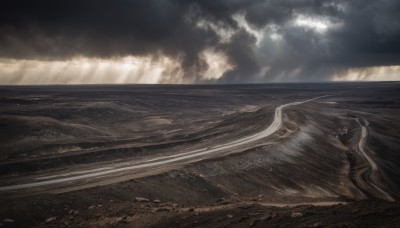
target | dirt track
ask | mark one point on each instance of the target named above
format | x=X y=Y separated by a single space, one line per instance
x=175 y=159
x=373 y=178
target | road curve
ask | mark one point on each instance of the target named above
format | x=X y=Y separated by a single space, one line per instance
x=164 y=160
x=374 y=167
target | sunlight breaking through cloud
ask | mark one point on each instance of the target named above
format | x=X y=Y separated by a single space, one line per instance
x=380 y=73
x=317 y=24
x=130 y=69
x=82 y=70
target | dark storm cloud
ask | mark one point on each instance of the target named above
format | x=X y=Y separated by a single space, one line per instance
x=58 y=28
x=360 y=33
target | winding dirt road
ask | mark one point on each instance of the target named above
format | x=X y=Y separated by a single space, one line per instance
x=373 y=178
x=195 y=155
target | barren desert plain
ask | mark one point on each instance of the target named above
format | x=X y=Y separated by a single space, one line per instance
x=262 y=155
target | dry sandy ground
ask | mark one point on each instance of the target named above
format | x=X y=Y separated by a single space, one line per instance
x=325 y=162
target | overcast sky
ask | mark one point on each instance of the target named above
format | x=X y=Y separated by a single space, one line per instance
x=204 y=41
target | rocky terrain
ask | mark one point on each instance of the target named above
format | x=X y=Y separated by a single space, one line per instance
x=167 y=156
